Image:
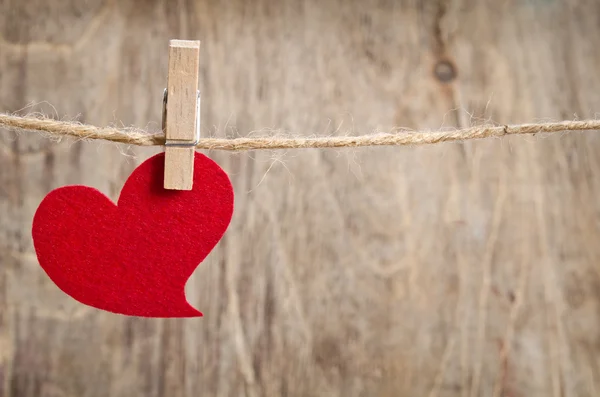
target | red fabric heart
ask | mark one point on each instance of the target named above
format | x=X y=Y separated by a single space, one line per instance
x=133 y=258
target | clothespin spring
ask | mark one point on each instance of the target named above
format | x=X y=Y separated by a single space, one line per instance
x=179 y=143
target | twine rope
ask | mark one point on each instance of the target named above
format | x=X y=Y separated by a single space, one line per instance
x=131 y=136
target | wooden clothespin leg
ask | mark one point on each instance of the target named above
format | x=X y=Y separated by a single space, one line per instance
x=182 y=119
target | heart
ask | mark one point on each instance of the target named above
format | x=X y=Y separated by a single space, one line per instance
x=135 y=257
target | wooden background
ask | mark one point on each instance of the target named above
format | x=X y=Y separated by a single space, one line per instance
x=464 y=270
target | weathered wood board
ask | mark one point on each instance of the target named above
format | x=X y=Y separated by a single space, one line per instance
x=451 y=270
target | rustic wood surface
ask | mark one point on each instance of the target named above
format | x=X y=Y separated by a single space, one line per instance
x=451 y=270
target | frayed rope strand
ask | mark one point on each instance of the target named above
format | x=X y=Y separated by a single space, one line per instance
x=141 y=138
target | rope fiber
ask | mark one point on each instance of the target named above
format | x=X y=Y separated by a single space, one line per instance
x=131 y=136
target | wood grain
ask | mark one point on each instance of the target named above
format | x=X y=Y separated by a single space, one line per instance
x=453 y=270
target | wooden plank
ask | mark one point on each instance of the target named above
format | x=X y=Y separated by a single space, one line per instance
x=456 y=270
x=182 y=87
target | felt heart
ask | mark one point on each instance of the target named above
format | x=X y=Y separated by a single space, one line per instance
x=133 y=258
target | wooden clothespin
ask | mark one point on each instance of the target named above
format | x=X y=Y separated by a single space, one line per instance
x=181 y=114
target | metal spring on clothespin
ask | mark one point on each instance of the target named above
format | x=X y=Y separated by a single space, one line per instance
x=172 y=143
